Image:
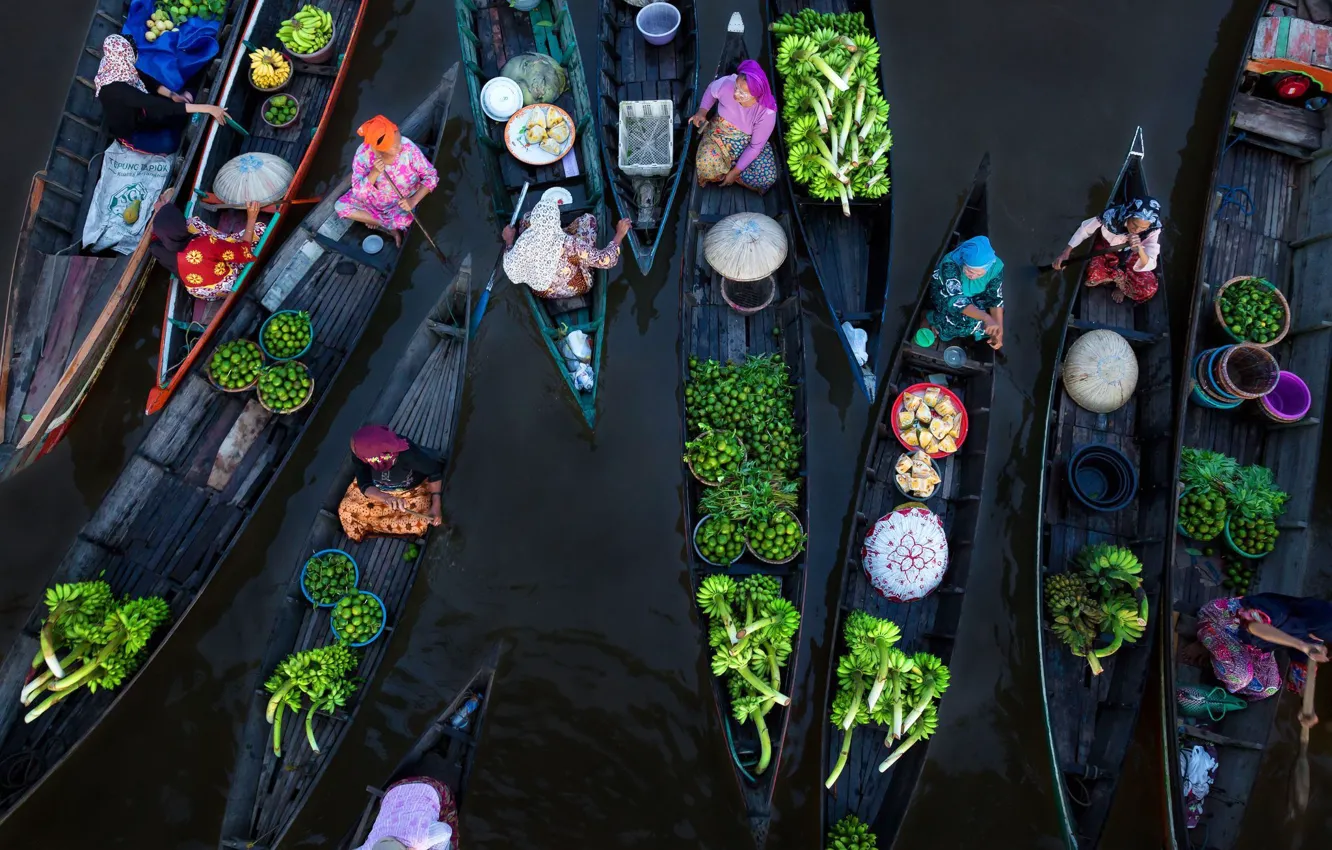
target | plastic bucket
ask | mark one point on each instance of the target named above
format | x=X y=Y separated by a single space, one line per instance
x=1102 y=478
x=1202 y=396
x=1289 y=400
x=697 y=526
x=657 y=23
x=356 y=575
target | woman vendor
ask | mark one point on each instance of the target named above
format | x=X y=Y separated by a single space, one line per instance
x=553 y=261
x=967 y=294
x=1136 y=225
x=417 y=813
x=397 y=486
x=1240 y=635
x=133 y=102
x=207 y=261
x=735 y=147
x=390 y=176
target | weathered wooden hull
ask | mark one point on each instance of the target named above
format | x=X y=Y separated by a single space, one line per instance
x=1090 y=719
x=709 y=329
x=630 y=69
x=442 y=753
x=423 y=402
x=1275 y=231
x=203 y=469
x=490 y=32
x=66 y=310
x=188 y=324
x=850 y=255
x=929 y=624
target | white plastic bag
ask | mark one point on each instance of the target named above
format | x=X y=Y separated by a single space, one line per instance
x=127 y=177
x=576 y=348
x=858 y=339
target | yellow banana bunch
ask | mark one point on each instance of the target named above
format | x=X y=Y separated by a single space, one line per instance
x=269 y=68
x=308 y=31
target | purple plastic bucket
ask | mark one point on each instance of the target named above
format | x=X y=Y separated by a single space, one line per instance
x=1289 y=400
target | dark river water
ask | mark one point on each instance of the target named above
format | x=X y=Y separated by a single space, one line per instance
x=570 y=546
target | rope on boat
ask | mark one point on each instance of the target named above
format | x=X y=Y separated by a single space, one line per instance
x=735 y=756
x=1236 y=196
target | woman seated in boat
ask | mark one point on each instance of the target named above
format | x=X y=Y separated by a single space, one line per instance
x=553 y=261
x=132 y=102
x=397 y=486
x=1240 y=634
x=967 y=294
x=207 y=261
x=1136 y=226
x=390 y=176
x=417 y=813
x=736 y=147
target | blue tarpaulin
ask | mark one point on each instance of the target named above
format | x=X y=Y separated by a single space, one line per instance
x=177 y=54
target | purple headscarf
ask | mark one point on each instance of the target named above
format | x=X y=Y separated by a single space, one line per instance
x=758 y=83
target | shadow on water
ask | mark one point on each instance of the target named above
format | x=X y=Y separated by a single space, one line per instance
x=570 y=546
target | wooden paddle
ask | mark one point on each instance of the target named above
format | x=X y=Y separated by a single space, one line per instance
x=1084 y=258
x=490 y=284
x=1300 y=784
x=417 y=222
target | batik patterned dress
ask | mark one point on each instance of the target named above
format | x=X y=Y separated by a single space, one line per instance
x=738 y=137
x=579 y=253
x=409 y=172
x=211 y=264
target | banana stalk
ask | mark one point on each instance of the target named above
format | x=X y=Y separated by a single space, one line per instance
x=39 y=682
x=860 y=102
x=276 y=701
x=847 y=111
x=840 y=764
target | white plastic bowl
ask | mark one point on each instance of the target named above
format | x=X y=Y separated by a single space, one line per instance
x=657 y=23
x=501 y=97
x=372 y=244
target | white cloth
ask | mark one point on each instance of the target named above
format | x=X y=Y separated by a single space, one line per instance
x=577 y=351
x=1151 y=243
x=127 y=176
x=410 y=814
x=1196 y=767
x=536 y=255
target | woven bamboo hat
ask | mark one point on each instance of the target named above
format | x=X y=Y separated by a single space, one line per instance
x=1100 y=371
x=260 y=177
x=745 y=246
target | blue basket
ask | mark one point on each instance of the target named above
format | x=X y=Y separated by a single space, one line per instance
x=270 y=354
x=356 y=573
x=382 y=622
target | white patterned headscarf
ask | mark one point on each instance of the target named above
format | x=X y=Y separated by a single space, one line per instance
x=117 y=65
x=536 y=255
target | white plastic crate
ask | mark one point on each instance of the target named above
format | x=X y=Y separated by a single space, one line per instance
x=646 y=138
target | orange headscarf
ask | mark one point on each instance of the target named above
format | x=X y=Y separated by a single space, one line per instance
x=379 y=133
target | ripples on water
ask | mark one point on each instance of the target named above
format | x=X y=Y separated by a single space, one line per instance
x=570 y=548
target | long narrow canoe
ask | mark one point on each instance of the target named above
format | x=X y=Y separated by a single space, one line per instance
x=711 y=330
x=67 y=307
x=630 y=69
x=203 y=469
x=1090 y=719
x=190 y=323
x=422 y=401
x=850 y=255
x=929 y=624
x=491 y=33
x=1273 y=231
x=444 y=752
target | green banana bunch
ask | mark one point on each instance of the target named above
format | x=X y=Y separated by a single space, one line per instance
x=1125 y=617
x=76 y=612
x=308 y=31
x=322 y=675
x=850 y=833
x=1075 y=617
x=802 y=23
x=1105 y=567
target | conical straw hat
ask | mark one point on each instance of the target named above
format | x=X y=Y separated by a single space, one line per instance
x=905 y=554
x=1100 y=371
x=745 y=246
x=252 y=176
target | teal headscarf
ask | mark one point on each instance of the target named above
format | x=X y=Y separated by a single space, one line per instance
x=978 y=253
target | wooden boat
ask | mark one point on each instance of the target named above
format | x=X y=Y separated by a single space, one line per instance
x=1090 y=719
x=491 y=33
x=850 y=255
x=423 y=402
x=190 y=323
x=202 y=470
x=929 y=624
x=443 y=752
x=1266 y=217
x=66 y=306
x=630 y=69
x=710 y=329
